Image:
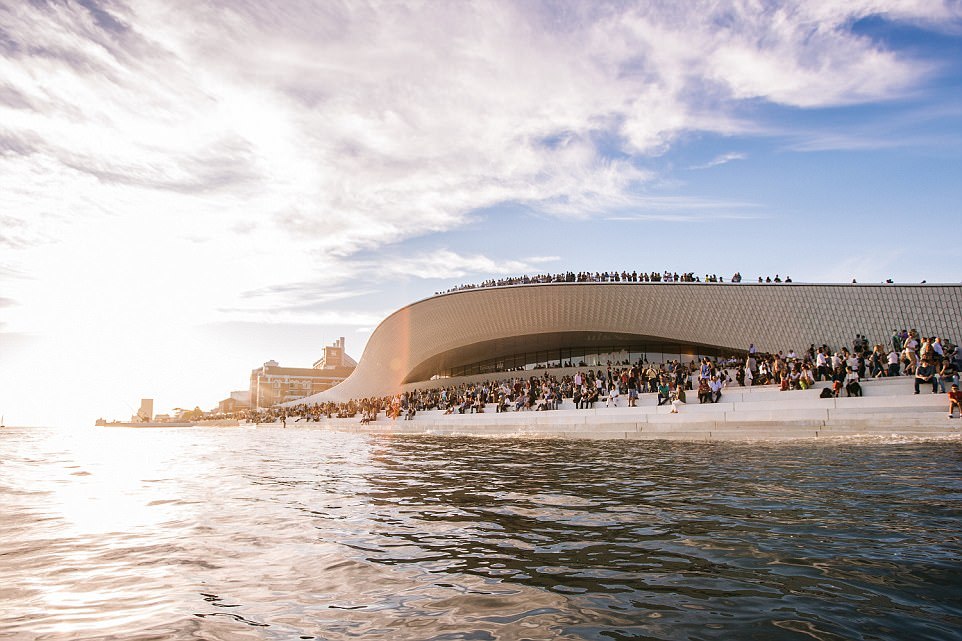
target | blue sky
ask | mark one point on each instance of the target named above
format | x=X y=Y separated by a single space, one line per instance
x=188 y=190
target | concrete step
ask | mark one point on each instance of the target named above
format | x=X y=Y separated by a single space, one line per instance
x=704 y=431
x=888 y=407
x=878 y=409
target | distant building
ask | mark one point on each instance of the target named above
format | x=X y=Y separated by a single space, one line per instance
x=335 y=357
x=236 y=402
x=146 y=411
x=271 y=384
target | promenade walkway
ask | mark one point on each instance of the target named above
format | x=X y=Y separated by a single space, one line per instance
x=888 y=408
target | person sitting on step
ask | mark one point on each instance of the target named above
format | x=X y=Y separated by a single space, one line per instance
x=716 y=388
x=704 y=391
x=852 y=385
x=955 y=400
x=925 y=375
x=664 y=392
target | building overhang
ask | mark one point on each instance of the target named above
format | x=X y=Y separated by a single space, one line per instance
x=561 y=346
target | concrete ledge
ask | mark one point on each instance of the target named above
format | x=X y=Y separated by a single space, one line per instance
x=912 y=401
x=776 y=415
x=772 y=425
x=697 y=408
x=676 y=426
x=676 y=435
x=766 y=414
x=685 y=417
x=787 y=403
x=889 y=415
x=693 y=432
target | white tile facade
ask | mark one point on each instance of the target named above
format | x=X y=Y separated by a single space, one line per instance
x=773 y=316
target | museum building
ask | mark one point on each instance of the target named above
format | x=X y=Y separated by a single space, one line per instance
x=482 y=333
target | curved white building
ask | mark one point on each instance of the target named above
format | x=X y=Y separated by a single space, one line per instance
x=488 y=330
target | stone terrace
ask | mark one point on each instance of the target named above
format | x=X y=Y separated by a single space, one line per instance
x=888 y=408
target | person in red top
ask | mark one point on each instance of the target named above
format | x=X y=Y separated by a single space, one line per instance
x=955 y=400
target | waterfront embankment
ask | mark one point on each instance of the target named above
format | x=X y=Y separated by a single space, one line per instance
x=888 y=408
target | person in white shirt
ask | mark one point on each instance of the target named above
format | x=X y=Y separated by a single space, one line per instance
x=613 y=395
x=716 y=389
x=893 y=361
x=852 y=386
x=677 y=400
x=852 y=361
x=821 y=364
x=911 y=359
x=763 y=372
x=937 y=347
x=911 y=342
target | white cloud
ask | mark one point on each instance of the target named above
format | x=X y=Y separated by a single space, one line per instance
x=684 y=218
x=721 y=160
x=331 y=128
x=873 y=267
x=297 y=317
x=889 y=132
x=357 y=125
x=352 y=126
x=445 y=263
x=686 y=209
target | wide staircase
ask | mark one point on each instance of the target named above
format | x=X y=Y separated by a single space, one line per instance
x=888 y=408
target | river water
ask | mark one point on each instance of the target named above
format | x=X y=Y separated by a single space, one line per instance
x=303 y=534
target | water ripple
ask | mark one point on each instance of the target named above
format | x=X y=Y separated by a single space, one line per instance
x=298 y=534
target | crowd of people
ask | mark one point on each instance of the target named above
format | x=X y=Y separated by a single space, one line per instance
x=619 y=277
x=611 y=277
x=932 y=361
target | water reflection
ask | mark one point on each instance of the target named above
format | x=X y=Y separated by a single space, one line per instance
x=285 y=534
x=727 y=532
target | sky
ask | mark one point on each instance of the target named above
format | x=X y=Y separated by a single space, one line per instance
x=189 y=189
